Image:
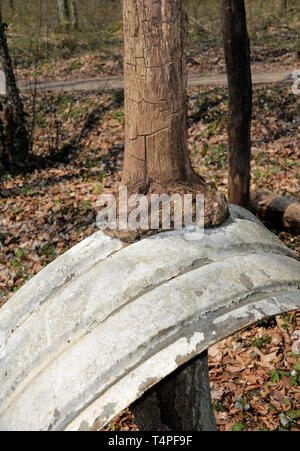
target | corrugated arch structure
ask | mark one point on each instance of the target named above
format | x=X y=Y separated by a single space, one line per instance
x=106 y=321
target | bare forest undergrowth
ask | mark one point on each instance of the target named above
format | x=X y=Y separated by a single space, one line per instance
x=79 y=138
x=41 y=50
x=103 y=65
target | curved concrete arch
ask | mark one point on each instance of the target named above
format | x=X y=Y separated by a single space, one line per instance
x=106 y=321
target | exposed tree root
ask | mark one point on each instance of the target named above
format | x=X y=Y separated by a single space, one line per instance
x=215 y=206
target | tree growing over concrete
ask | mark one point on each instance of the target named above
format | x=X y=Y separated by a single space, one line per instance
x=157 y=161
x=156 y=152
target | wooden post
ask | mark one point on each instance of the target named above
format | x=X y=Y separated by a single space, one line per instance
x=181 y=402
x=237 y=55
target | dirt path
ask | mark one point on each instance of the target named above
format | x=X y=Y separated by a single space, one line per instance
x=116 y=83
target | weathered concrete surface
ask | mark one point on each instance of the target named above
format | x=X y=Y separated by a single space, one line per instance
x=103 y=323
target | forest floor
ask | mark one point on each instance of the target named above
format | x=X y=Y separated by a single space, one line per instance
x=117 y=83
x=79 y=140
x=106 y=65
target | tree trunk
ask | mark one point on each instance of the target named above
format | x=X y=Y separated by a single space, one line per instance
x=237 y=55
x=63 y=10
x=181 y=402
x=63 y=13
x=14 y=138
x=279 y=211
x=73 y=14
x=284 y=6
x=67 y=14
x=156 y=153
x=155 y=92
x=298 y=39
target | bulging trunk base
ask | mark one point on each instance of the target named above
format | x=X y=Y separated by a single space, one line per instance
x=215 y=206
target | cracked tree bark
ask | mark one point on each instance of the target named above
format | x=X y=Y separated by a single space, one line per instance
x=156 y=153
x=155 y=80
x=156 y=161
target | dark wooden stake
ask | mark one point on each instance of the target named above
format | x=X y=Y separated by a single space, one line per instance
x=181 y=402
x=237 y=55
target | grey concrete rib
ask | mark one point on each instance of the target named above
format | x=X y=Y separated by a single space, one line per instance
x=103 y=323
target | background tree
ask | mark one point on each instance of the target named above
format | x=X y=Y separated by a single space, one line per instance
x=73 y=14
x=67 y=14
x=63 y=12
x=14 y=140
x=298 y=39
x=284 y=5
x=237 y=56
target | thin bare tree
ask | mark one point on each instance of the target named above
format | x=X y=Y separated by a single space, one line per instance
x=237 y=56
x=14 y=140
x=67 y=14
